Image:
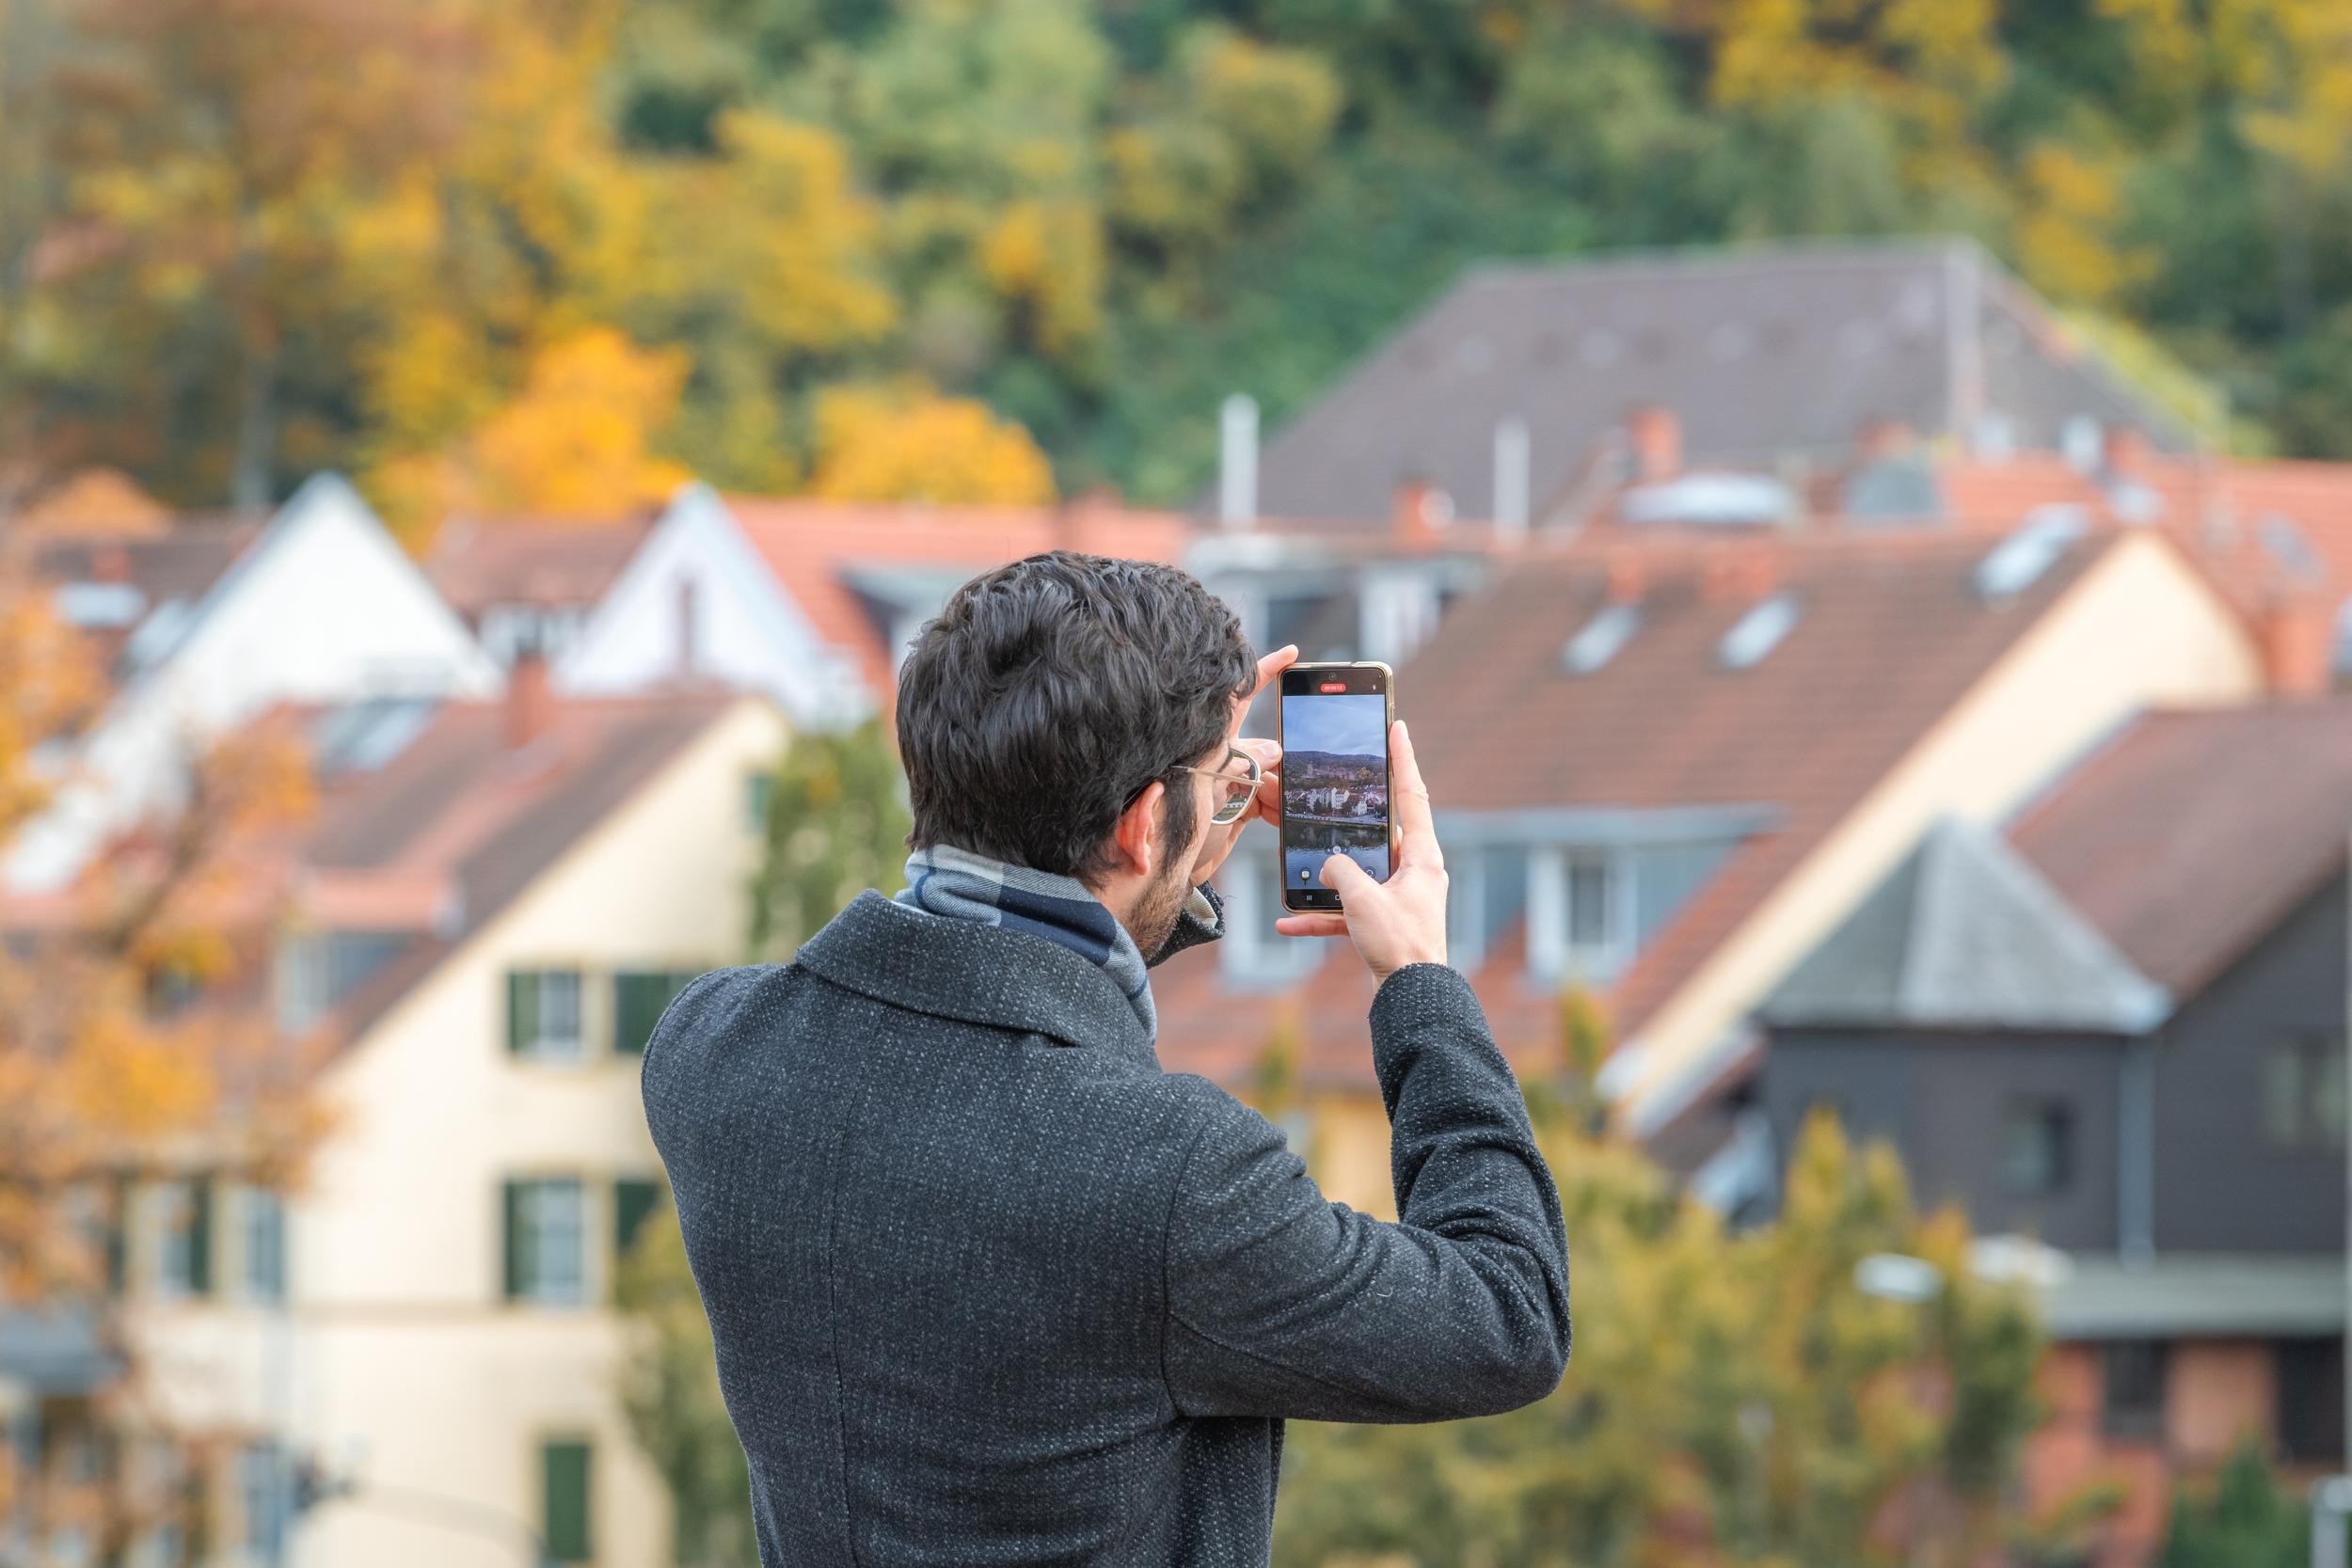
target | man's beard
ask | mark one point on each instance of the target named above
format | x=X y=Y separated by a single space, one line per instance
x=1161 y=906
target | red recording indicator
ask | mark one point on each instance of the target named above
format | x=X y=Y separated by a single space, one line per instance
x=1333 y=686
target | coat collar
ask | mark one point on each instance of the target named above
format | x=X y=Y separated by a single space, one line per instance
x=974 y=974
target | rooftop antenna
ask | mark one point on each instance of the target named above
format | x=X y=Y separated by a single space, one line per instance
x=1237 y=466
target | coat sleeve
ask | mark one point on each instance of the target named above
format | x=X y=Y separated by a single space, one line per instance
x=1282 y=1303
x=1202 y=920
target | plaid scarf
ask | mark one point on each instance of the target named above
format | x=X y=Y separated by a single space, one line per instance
x=962 y=885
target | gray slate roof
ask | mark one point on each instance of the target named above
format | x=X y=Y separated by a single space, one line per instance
x=1965 y=934
x=1768 y=355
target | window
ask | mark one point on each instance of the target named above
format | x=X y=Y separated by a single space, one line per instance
x=633 y=1203
x=263 y=1501
x=2133 y=1405
x=543 y=1014
x=262 y=1239
x=2037 y=1138
x=547 y=1263
x=638 y=999
x=760 y=795
x=1588 y=911
x=317 y=970
x=2303 y=1094
x=2309 y=1375
x=565 y=1469
x=184 y=1212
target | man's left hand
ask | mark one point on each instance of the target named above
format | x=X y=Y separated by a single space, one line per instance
x=1267 y=803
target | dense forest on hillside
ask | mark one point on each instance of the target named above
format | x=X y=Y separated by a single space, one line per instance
x=553 y=254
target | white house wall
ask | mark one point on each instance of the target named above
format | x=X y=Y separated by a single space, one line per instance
x=324 y=606
x=748 y=631
x=409 y=1364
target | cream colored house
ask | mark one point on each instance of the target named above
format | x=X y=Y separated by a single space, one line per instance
x=500 y=898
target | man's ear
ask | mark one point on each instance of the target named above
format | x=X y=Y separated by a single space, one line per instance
x=1132 y=835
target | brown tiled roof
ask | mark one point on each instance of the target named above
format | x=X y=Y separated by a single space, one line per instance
x=479 y=561
x=178 y=562
x=2193 y=835
x=811 y=544
x=459 y=823
x=1767 y=354
x=1892 y=635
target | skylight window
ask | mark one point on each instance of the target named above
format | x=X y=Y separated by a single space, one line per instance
x=1600 y=638
x=1758 y=632
x=2018 y=561
x=2289 y=548
x=100 y=606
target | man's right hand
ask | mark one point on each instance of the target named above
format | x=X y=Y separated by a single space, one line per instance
x=1401 y=921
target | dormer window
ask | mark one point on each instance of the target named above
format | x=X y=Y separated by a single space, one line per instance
x=1758 y=632
x=1600 y=638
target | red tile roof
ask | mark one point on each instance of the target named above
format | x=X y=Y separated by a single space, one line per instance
x=452 y=828
x=810 y=544
x=479 y=561
x=2192 y=835
x=1891 y=636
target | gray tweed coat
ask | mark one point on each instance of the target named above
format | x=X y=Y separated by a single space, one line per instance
x=990 y=1288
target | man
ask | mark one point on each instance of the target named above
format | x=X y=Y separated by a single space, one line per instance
x=988 y=1286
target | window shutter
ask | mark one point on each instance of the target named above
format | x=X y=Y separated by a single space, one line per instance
x=511 y=1230
x=522 y=1010
x=565 y=1515
x=633 y=1203
x=201 y=1236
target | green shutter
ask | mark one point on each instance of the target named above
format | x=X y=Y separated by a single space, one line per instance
x=639 y=999
x=510 y=1229
x=117 y=1234
x=564 y=1520
x=632 y=1203
x=201 y=1236
x=522 y=1009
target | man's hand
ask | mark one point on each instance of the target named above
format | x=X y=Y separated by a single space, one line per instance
x=1268 y=801
x=1401 y=921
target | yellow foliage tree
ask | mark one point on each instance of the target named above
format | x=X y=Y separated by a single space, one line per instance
x=909 y=443
x=2066 y=236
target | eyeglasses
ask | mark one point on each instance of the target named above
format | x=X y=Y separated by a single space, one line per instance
x=1239 y=791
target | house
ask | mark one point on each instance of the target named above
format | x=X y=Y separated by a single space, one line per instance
x=2119 y=1029
x=809 y=601
x=496 y=901
x=205 y=623
x=1663 y=773
x=1506 y=393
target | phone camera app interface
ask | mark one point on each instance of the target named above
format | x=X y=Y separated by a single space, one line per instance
x=1335 y=785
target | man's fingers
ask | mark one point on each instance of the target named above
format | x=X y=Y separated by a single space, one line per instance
x=1274 y=664
x=1344 y=876
x=1317 y=924
x=1417 y=828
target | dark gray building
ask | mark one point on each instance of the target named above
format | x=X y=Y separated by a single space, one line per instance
x=2120 y=1031
x=1507 y=391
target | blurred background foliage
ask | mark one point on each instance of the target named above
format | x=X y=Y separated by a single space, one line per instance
x=443 y=243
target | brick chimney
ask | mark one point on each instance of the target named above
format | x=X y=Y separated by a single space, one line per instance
x=1655 y=434
x=1423 y=511
x=529 y=705
x=2298 y=645
x=1880 y=439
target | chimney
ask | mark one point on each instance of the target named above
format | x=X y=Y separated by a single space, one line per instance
x=1743 y=573
x=1879 y=440
x=2298 y=645
x=529 y=705
x=1656 y=436
x=1237 y=462
x=1423 y=511
x=1511 y=481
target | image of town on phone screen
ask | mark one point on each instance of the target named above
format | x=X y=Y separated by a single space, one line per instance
x=1335 y=783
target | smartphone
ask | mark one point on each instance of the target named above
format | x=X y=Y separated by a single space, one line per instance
x=1335 y=723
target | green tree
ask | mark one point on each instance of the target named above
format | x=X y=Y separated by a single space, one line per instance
x=837 y=826
x=1730 y=1395
x=2243 y=1519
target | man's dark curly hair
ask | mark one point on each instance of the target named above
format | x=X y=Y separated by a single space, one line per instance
x=1050 y=693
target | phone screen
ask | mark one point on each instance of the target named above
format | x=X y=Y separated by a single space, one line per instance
x=1334 y=778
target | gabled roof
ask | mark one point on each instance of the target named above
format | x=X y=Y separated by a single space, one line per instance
x=440 y=837
x=1889 y=634
x=1964 y=934
x=173 y=564
x=549 y=563
x=1768 y=355
x=824 y=552
x=2194 y=834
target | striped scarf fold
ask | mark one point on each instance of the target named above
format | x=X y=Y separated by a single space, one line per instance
x=961 y=885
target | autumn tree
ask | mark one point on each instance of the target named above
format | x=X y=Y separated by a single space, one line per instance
x=836 y=825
